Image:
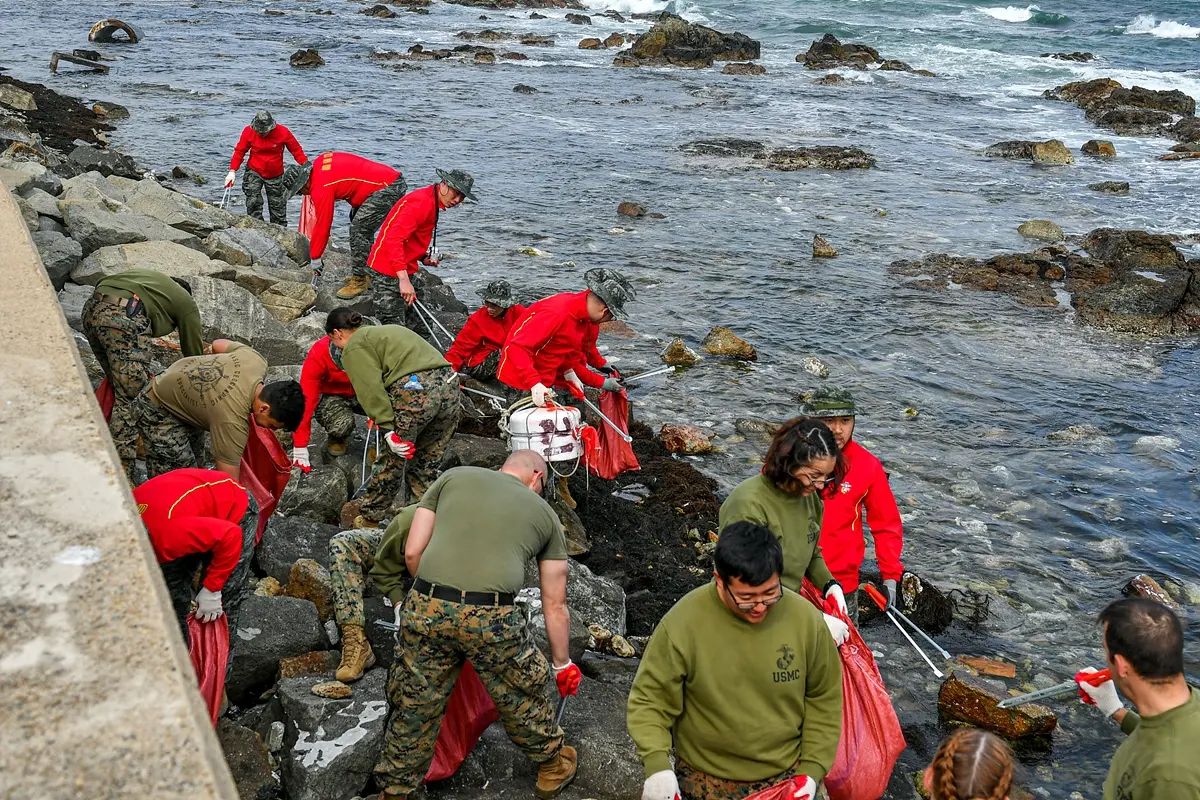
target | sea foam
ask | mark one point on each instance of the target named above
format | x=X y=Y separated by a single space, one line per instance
x=1167 y=29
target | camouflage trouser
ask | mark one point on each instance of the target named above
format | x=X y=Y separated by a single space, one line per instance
x=390 y=307
x=434 y=640
x=182 y=575
x=366 y=219
x=253 y=185
x=485 y=370
x=427 y=417
x=351 y=556
x=115 y=339
x=170 y=442
x=335 y=413
x=697 y=785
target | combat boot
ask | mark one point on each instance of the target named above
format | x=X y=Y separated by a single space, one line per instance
x=564 y=492
x=354 y=286
x=336 y=447
x=361 y=522
x=557 y=773
x=357 y=656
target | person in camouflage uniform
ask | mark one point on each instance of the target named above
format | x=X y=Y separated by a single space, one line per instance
x=265 y=141
x=462 y=609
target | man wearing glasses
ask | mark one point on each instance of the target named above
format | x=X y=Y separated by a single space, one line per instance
x=741 y=680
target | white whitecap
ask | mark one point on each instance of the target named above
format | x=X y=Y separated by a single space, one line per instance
x=1011 y=13
x=78 y=556
x=1148 y=24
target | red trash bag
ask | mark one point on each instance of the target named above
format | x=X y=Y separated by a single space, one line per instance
x=308 y=217
x=606 y=454
x=265 y=470
x=871 y=738
x=208 y=645
x=105 y=397
x=784 y=790
x=468 y=713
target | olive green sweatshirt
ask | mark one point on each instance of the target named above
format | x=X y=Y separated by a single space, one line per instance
x=389 y=570
x=168 y=305
x=378 y=356
x=1159 y=759
x=736 y=700
x=796 y=521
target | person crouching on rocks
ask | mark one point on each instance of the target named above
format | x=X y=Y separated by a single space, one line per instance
x=328 y=393
x=265 y=142
x=476 y=350
x=801 y=463
x=970 y=764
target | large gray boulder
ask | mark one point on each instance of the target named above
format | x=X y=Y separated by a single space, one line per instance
x=331 y=746
x=592 y=598
x=91 y=188
x=247 y=757
x=231 y=312
x=59 y=255
x=270 y=629
x=318 y=496
x=245 y=247
x=106 y=162
x=293 y=244
x=288 y=539
x=166 y=257
x=21 y=176
x=43 y=203
x=308 y=329
x=177 y=209
x=259 y=279
x=72 y=297
x=95 y=226
x=289 y=300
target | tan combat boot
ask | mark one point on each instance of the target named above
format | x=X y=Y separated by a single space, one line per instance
x=557 y=773
x=357 y=656
x=361 y=522
x=336 y=447
x=354 y=286
x=564 y=492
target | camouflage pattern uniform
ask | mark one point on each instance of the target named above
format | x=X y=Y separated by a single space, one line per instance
x=365 y=221
x=434 y=640
x=697 y=785
x=390 y=307
x=485 y=370
x=183 y=575
x=428 y=417
x=335 y=413
x=115 y=339
x=351 y=556
x=170 y=442
x=253 y=185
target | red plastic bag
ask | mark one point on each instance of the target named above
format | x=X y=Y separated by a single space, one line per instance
x=105 y=397
x=871 y=737
x=208 y=645
x=784 y=790
x=308 y=217
x=468 y=713
x=606 y=454
x=265 y=470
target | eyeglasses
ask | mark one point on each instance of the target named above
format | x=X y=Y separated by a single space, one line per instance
x=820 y=482
x=775 y=597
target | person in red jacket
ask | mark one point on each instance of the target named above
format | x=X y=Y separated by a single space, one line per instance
x=265 y=142
x=407 y=239
x=327 y=393
x=369 y=187
x=863 y=493
x=476 y=349
x=201 y=521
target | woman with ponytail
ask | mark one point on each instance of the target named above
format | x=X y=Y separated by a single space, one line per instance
x=970 y=764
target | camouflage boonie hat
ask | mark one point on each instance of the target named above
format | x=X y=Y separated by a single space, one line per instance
x=295 y=178
x=828 y=402
x=263 y=122
x=498 y=293
x=459 y=181
x=612 y=287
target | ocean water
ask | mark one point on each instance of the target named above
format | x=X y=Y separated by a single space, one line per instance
x=1052 y=529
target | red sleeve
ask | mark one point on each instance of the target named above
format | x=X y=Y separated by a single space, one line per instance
x=466 y=342
x=589 y=378
x=185 y=536
x=239 y=152
x=590 y=351
x=883 y=518
x=387 y=254
x=311 y=375
x=517 y=368
x=322 y=202
x=295 y=149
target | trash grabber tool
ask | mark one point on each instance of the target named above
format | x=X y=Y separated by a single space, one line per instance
x=494 y=400
x=432 y=334
x=224 y=197
x=631 y=379
x=581 y=397
x=367 y=446
x=924 y=635
x=881 y=601
x=558 y=712
x=1064 y=689
x=436 y=321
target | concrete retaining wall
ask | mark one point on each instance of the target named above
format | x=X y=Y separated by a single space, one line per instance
x=97 y=694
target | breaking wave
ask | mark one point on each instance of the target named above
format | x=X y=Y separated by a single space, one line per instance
x=1167 y=29
x=1031 y=14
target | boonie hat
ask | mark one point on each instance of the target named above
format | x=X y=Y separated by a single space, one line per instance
x=829 y=402
x=263 y=122
x=295 y=178
x=612 y=287
x=498 y=293
x=460 y=181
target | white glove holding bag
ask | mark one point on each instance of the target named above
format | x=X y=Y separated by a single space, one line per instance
x=540 y=394
x=208 y=605
x=300 y=459
x=572 y=378
x=661 y=786
x=835 y=591
x=807 y=790
x=839 y=630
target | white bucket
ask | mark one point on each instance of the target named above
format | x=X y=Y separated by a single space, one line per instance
x=552 y=431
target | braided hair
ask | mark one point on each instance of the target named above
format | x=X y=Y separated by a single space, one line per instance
x=971 y=764
x=799 y=441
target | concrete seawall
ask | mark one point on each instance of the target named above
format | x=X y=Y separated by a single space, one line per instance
x=97 y=693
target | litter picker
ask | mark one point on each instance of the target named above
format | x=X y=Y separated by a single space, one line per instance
x=581 y=397
x=421 y=314
x=1064 y=689
x=634 y=379
x=436 y=321
x=917 y=628
x=882 y=602
x=558 y=712
x=224 y=197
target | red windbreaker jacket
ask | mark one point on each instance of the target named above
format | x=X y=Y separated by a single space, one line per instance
x=481 y=336
x=403 y=238
x=865 y=488
x=555 y=335
x=341 y=176
x=318 y=376
x=266 y=152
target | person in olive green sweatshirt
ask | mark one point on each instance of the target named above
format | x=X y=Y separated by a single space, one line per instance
x=802 y=462
x=405 y=385
x=740 y=679
x=1143 y=645
x=124 y=308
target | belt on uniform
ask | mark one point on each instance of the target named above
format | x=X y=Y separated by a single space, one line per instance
x=123 y=301
x=452 y=595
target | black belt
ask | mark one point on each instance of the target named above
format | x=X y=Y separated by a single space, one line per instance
x=452 y=595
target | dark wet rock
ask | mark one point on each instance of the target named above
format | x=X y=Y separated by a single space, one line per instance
x=725 y=146
x=247 y=758
x=522 y=88
x=466 y=450
x=107 y=162
x=482 y=57
x=514 y=57
x=308 y=580
x=306 y=58
x=788 y=159
x=1133 y=111
x=614 y=40
x=628 y=208
x=591 y=43
x=685 y=439
x=821 y=248
x=269 y=630
x=1077 y=56
x=743 y=68
x=894 y=65
x=965 y=698
x=1041 y=229
x=1186 y=147
x=1110 y=187
x=1099 y=148
x=757 y=429
x=677 y=42
x=289 y=539
x=1146 y=587
x=486 y=36
x=533 y=40
x=721 y=341
x=1132 y=249
x=506 y=4
x=829 y=53
x=678 y=354
x=579 y=19
x=110 y=110
x=380 y=11
x=1051 y=151
x=832 y=79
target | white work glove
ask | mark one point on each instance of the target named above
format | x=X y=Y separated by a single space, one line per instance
x=570 y=377
x=839 y=630
x=300 y=459
x=890 y=585
x=401 y=447
x=229 y=178
x=1104 y=696
x=208 y=605
x=835 y=592
x=661 y=786
x=807 y=790
x=540 y=394
x=611 y=385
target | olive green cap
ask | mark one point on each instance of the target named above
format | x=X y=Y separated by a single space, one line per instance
x=828 y=402
x=611 y=287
